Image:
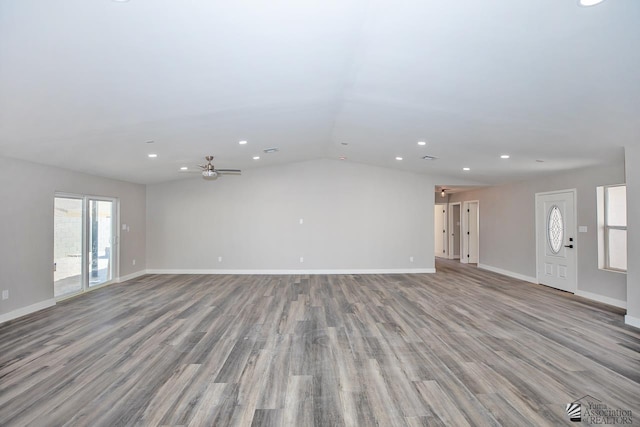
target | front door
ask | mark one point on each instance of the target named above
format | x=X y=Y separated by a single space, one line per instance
x=556 y=240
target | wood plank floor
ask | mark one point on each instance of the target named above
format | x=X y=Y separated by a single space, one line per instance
x=460 y=347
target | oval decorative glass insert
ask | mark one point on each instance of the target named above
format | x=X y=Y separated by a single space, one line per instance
x=555 y=229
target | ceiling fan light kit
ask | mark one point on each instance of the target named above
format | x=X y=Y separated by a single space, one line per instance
x=209 y=171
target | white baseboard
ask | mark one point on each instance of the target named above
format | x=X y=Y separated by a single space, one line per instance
x=290 y=272
x=632 y=321
x=589 y=295
x=27 y=310
x=508 y=273
x=132 y=276
x=601 y=298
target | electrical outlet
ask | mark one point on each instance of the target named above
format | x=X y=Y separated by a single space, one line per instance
x=219 y=259
x=133 y=262
x=5 y=294
x=301 y=259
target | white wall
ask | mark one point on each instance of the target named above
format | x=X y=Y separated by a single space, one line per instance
x=632 y=156
x=26 y=228
x=356 y=217
x=507 y=228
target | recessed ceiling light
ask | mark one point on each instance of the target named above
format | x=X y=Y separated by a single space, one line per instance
x=587 y=3
x=344 y=143
x=152 y=156
x=242 y=142
x=120 y=1
x=398 y=158
x=466 y=169
x=184 y=168
x=342 y=158
x=422 y=142
x=540 y=161
x=256 y=157
x=150 y=141
x=505 y=156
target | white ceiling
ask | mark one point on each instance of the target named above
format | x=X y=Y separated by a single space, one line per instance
x=84 y=84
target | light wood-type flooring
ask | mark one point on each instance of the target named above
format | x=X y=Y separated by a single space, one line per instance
x=460 y=347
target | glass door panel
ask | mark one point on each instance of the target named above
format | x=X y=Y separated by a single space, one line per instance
x=67 y=276
x=100 y=241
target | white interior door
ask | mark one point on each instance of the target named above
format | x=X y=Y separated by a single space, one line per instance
x=455 y=225
x=440 y=230
x=471 y=232
x=555 y=237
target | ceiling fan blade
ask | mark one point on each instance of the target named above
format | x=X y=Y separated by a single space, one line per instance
x=228 y=170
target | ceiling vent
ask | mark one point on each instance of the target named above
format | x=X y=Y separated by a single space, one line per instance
x=429 y=158
x=271 y=150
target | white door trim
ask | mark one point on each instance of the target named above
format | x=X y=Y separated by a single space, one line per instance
x=574 y=231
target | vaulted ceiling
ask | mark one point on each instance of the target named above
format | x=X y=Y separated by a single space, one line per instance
x=85 y=85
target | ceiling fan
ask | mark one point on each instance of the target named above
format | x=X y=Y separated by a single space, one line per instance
x=210 y=171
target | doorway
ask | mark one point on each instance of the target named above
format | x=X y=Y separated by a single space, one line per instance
x=470 y=230
x=556 y=249
x=85 y=243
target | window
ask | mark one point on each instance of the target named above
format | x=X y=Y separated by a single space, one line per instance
x=555 y=229
x=612 y=222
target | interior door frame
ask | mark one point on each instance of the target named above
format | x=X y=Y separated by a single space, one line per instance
x=574 y=231
x=451 y=224
x=465 y=229
x=115 y=235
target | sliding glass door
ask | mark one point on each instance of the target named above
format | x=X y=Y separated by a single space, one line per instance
x=85 y=243
x=67 y=248
x=101 y=241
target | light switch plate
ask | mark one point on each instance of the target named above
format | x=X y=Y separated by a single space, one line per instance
x=583 y=229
